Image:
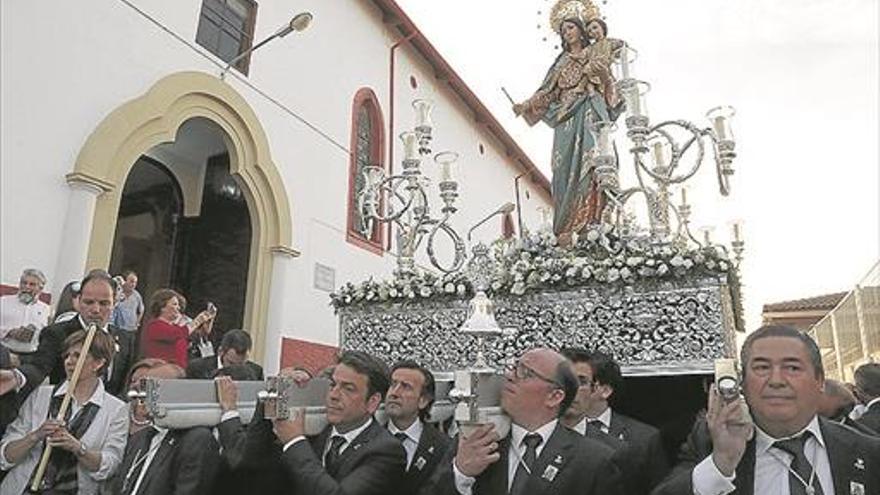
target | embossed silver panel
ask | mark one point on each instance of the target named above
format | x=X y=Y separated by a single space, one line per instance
x=661 y=328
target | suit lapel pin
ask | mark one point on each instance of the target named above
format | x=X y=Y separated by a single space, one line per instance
x=856 y=488
x=558 y=459
x=431 y=449
x=420 y=463
x=860 y=463
x=550 y=473
x=621 y=437
x=356 y=446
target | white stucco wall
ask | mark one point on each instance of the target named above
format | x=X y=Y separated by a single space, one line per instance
x=56 y=89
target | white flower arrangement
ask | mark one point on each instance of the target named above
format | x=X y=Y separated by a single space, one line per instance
x=537 y=262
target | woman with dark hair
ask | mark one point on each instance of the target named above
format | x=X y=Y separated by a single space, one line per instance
x=87 y=446
x=164 y=337
x=577 y=93
x=67 y=302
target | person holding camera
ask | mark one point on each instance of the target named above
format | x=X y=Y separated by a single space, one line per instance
x=787 y=448
x=164 y=337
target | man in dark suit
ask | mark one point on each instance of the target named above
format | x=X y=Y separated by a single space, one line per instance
x=159 y=461
x=643 y=461
x=836 y=405
x=539 y=456
x=788 y=449
x=867 y=381
x=234 y=349
x=96 y=300
x=409 y=400
x=354 y=454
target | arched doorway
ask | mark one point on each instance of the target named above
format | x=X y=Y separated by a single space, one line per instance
x=203 y=250
x=156 y=118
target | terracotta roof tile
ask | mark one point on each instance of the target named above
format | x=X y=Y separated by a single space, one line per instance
x=827 y=302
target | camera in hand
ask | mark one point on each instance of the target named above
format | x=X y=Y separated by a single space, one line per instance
x=727 y=380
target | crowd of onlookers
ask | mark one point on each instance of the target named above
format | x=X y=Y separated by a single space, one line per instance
x=790 y=432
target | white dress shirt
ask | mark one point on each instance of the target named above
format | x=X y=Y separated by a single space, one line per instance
x=107 y=433
x=155 y=443
x=16 y=314
x=464 y=484
x=349 y=437
x=604 y=418
x=771 y=466
x=411 y=442
x=581 y=427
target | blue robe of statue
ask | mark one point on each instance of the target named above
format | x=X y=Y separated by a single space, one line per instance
x=572 y=100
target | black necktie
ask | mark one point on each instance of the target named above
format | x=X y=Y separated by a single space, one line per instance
x=132 y=471
x=521 y=478
x=332 y=456
x=401 y=436
x=596 y=424
x=799 y=465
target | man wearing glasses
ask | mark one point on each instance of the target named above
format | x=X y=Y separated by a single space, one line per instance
x=639 y=446
x=539 y=455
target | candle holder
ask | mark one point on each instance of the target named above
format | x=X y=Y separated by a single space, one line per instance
x=737 y=243
x=424 y=124
x=405 y=197
x=676 y=150
x=637 y=121
x=667 y=144
x=606 y=163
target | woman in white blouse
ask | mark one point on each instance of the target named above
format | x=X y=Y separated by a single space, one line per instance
x=87 y=447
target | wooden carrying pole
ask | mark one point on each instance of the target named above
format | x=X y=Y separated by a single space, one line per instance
x=71 y=386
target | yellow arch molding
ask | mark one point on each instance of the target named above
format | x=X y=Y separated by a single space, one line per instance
x=154 y=118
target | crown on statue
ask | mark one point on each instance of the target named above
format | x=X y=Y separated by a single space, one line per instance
x=582 y=10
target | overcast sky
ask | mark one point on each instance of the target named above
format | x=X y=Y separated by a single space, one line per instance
x=802 y=74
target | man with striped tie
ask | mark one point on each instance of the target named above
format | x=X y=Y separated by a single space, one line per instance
x=788 y=449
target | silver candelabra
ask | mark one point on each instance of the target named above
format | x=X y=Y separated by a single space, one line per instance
x=402 y=200
x=668 y=154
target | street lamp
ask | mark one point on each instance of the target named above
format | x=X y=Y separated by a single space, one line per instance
x=300 y=22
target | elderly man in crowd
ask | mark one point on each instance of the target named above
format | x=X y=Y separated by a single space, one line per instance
x=539 y=455
x=789 y=449
x=95 y=306
x=23 y=314
x=407 y=405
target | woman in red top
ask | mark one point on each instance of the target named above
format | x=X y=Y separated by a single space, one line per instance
x=163 y=337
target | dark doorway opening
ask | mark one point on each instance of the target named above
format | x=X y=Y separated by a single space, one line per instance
x=670 y=403
x=205 y=258
x=146 y=228
x=213 y=250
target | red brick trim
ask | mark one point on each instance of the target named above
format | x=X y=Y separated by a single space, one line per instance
x=311 y=356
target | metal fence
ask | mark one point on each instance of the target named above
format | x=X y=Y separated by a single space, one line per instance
x=849 y=335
